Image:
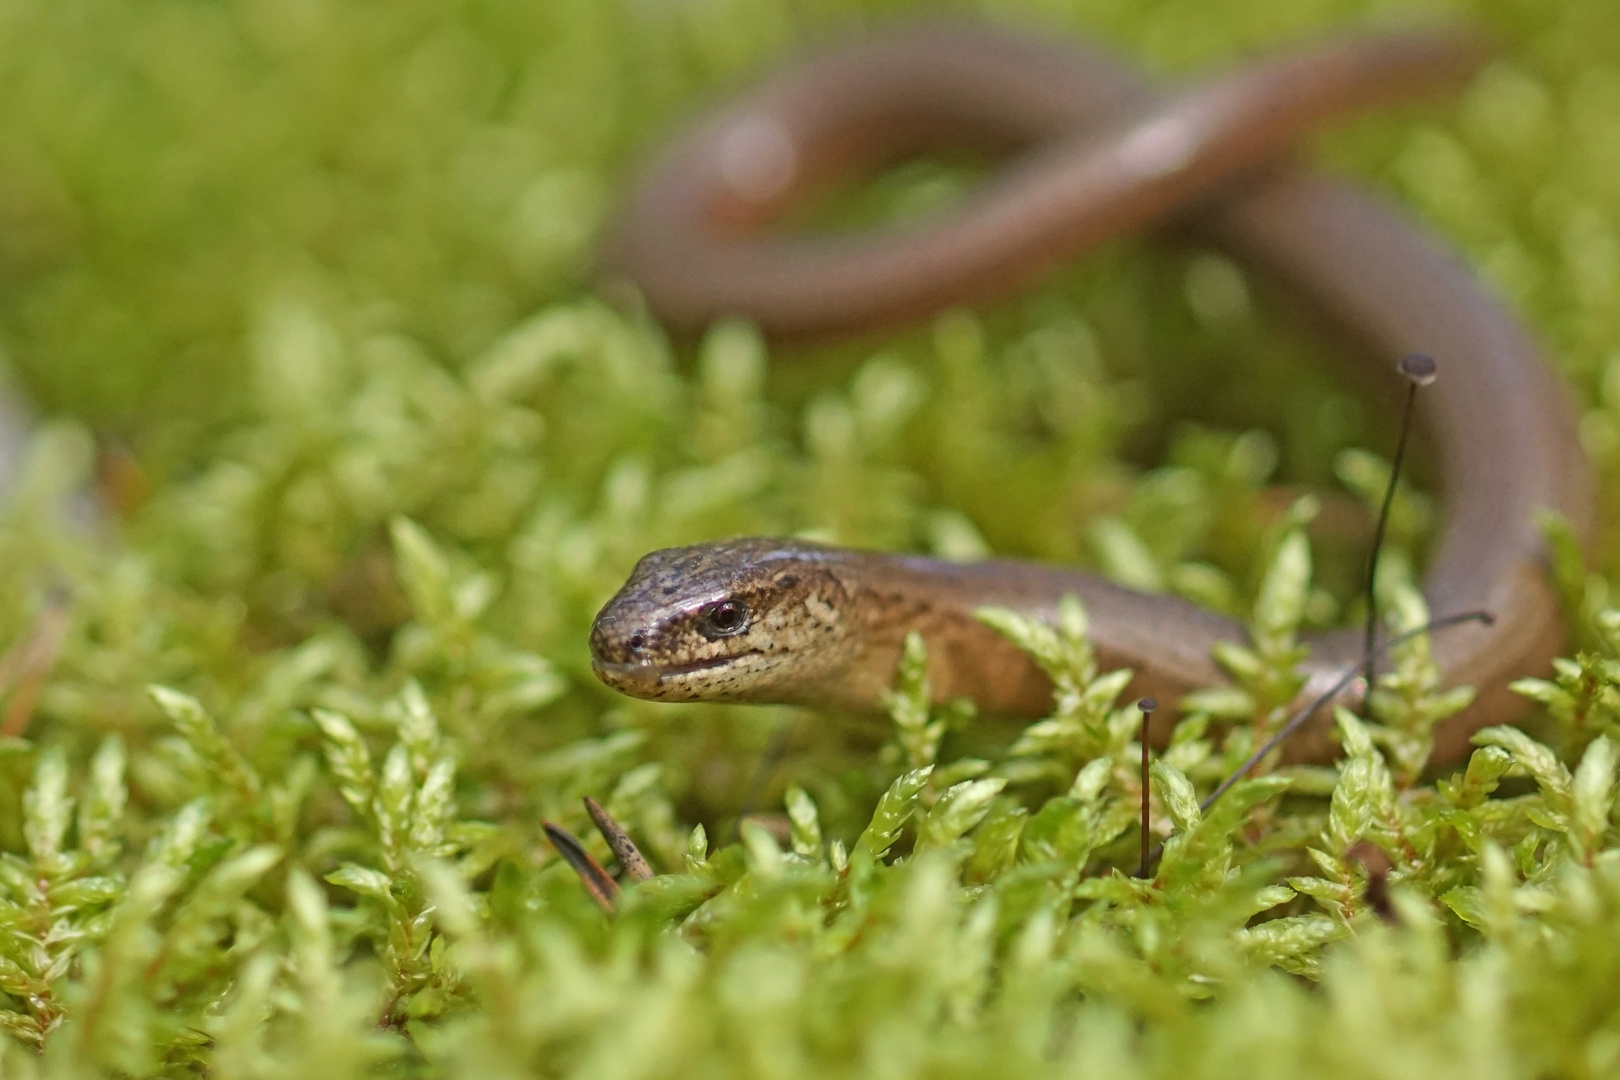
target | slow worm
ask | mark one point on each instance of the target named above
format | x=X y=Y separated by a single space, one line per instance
x=1094 y=152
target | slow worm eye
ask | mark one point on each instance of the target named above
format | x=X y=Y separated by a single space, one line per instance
x=725 y=618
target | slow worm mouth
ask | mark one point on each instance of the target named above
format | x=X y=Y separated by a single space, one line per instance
x=645 y=677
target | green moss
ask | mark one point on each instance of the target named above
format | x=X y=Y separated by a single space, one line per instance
x=322 y=271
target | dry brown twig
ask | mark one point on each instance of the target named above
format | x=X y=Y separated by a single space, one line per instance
x=24 y=667
x=597 y=881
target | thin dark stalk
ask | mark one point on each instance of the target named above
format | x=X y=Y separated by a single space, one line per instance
x=1299 y=719
x=1419 y=371
x=1146 y=705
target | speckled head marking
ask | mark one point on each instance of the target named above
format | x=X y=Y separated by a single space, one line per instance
x=740 y=620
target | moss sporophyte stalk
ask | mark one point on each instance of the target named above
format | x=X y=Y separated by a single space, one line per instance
x=273 y=802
